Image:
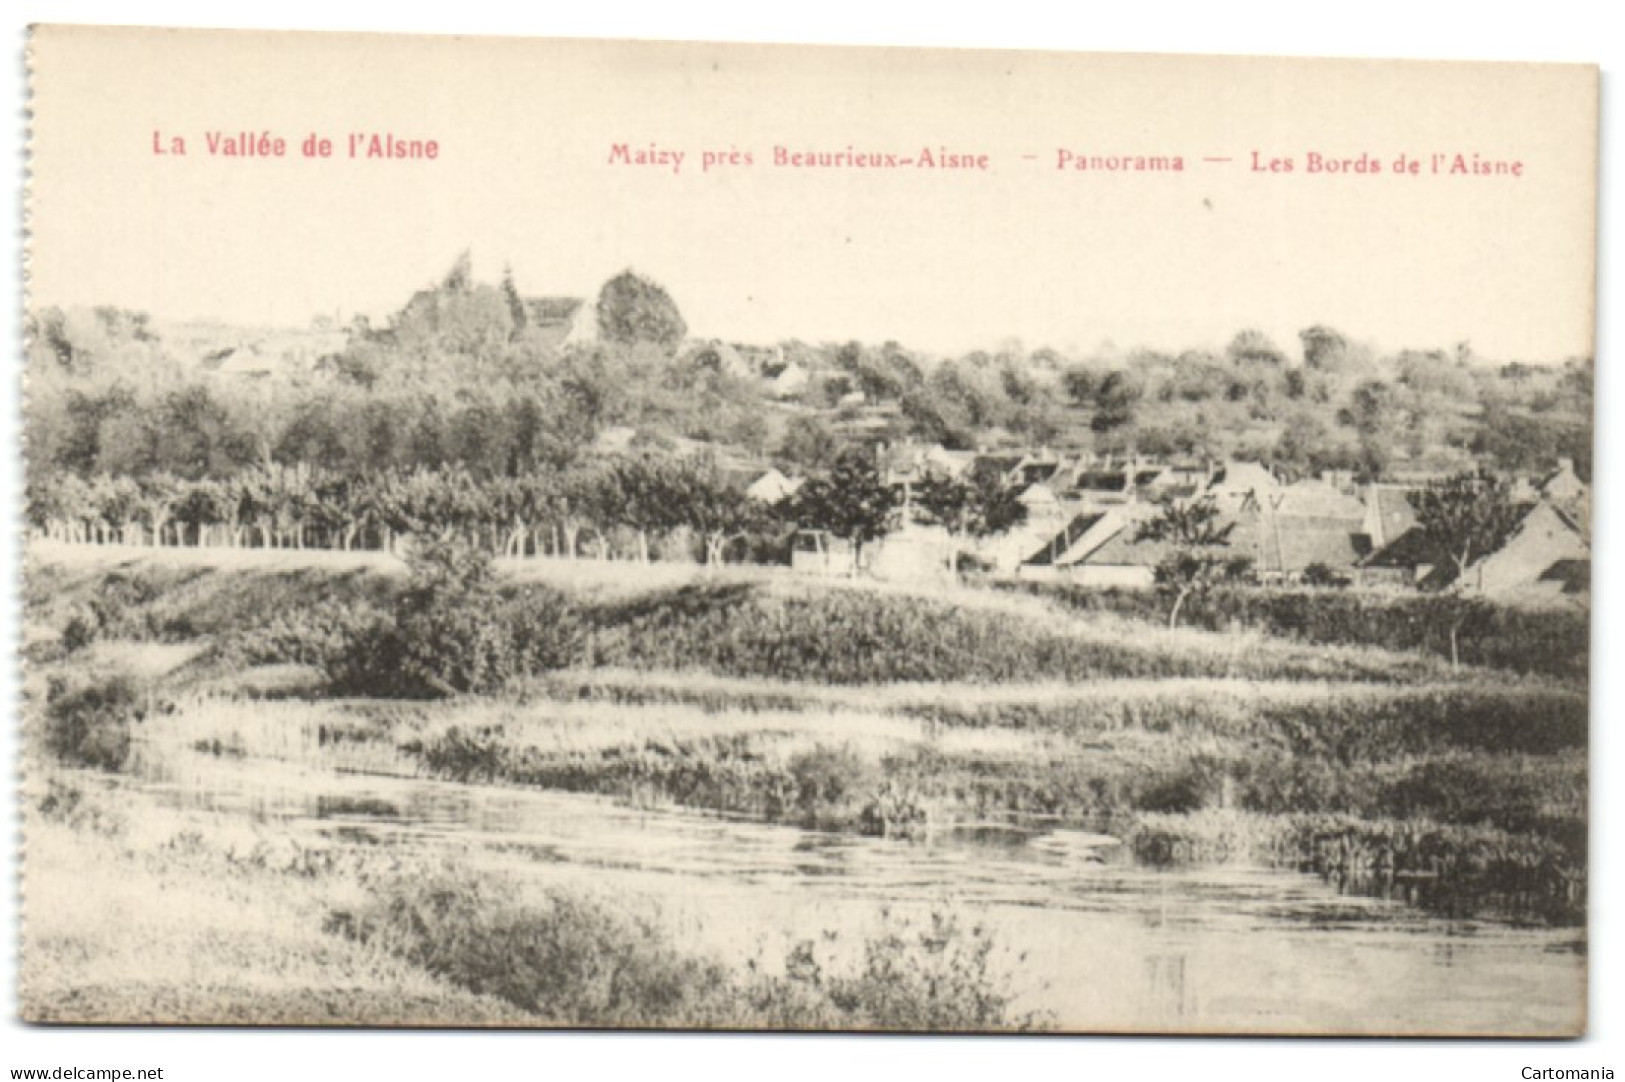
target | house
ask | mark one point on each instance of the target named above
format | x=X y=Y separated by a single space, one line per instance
x=1406 y=560
x=945 y=463
x=913 y=553
x=1282 y=545
x=560 y=321
x=1097 y=547
x=790 y=381
x=1002 y=466
x=1388 y=515
x=719 y=356
x=772 y=486
x=1041 y=502
x=1563 y=485
x=1239 y=482
x=1546 y=557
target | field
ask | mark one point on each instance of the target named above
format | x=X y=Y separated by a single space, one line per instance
x=849 y=708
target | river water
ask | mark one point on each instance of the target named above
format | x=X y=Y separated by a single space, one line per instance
x=1085 y=935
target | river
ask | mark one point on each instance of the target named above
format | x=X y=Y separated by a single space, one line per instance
x=1086 y=935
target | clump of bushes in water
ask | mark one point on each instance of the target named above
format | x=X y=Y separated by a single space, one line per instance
x=822 y=787
x=573 y=960
x=89 y=723
x=1346 y=726
x=1457 y=870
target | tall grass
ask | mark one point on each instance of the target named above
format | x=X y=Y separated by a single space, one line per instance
x=572 y=959
x=1555 y=642
x=855 y=637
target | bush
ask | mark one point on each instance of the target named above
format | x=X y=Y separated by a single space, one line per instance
x=575 y=960
x=829 y=782
x=567 y=959
x=89 y=725
x=304 y=636
x=1555 y=642
x=930 y=975
x=452 y=631
x=854 y=637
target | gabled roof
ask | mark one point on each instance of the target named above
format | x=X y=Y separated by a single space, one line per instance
x=1573 y=574
x=1407 y=551
x=540 y=310
x=1241 y=478
x=1093 y=480
x=1393 y=506
x=994 y=465
x=1056 y=549
x=1290 y=543
x=1316 y=498
x=1121 y=549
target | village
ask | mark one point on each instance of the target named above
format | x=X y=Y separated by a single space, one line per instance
x=1082 y=516
x=556 y=426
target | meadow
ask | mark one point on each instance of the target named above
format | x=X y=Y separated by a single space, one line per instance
x=848 y=707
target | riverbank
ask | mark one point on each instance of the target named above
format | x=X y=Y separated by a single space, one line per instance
x=912 y=717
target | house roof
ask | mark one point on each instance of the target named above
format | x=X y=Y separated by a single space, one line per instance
x=552 y=309
x=1100 y=480
x=1241 y=478
x=1318 y=499
x=1121 y=549
x=1573 y=574
x=994 y=465
x=1290 y=543
x=1393 y=505
x=1406 y=551
x=1055 y=549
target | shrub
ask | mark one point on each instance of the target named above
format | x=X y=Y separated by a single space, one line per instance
x=68 y=804
x=89 y=725
x=316 y=635
x=576 y=960
x=544 y=629
x=451 y=631
x=829 y=782
x=933 y=974
x=567 y=958
x=854 y=637
x=1554 y=642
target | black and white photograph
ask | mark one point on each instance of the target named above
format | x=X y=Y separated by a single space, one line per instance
x=557 y=534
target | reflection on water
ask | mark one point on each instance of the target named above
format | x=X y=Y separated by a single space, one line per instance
x=1099 y=942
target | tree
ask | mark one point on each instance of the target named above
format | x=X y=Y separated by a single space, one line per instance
x=1197 y=559
x=635 y=310
x=460 y=279
x=809 y=442
x=851 y=502
x=1254 y=346
x=979 y=506
x=1322 y=345
x=712 y=508
x=1465 y=518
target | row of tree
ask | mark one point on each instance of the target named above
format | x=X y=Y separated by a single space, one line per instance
x=587 y=507
x=619 y=504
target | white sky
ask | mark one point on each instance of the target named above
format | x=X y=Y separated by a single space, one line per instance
x=943 y=262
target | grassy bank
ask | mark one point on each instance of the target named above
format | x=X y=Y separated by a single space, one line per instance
x=783 y=629
x=860 y=708
x=283 y=928
x=1553 y=642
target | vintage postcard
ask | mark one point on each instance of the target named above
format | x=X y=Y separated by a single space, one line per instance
x=537 y=533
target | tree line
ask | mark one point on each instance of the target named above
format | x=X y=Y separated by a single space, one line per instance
x=595 y=507
x=620 y=505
